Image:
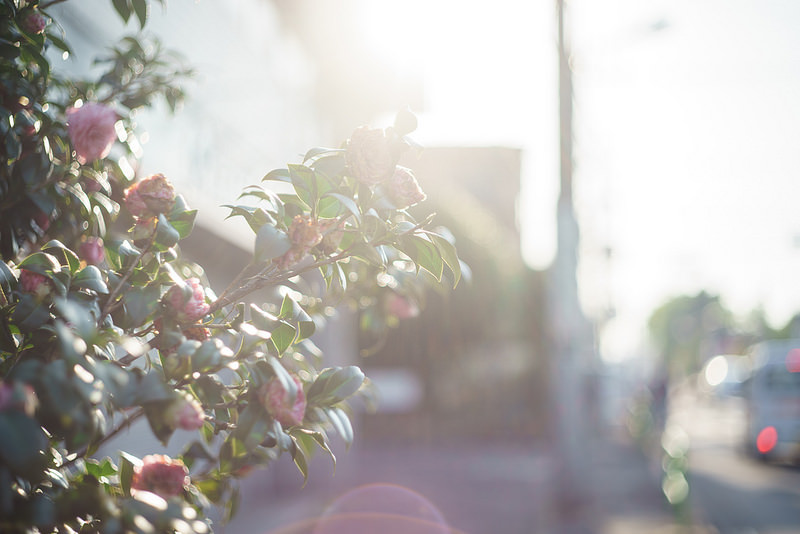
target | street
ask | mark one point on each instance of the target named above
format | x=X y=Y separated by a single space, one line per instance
x=729 y=490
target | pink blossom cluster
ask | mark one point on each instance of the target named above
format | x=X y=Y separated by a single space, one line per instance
x=92 y=251
x=34 y=283
x=274 y=397
x=185 y=413
x=404 y=190
x=369 y=156
x=91 y=130
x=150 y=196
x=187 y=309
x=160 y=474
x=34 y=22
x=332 y=231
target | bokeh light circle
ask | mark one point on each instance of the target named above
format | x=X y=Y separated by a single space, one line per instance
x=767 y=439
x=383 y=508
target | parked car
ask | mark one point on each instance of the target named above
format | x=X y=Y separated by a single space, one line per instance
x=772 y=394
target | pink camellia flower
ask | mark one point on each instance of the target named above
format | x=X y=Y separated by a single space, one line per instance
x=404 y=190
x=274 y=397
x=401 y=307
x=91 y=129
x=185 y=413
x=369 y=156
x=149 y=197
x=92 y=250
x=18 y=396
x=34 y=22
x=187 y=309
x=34 y=283
x=160 y=474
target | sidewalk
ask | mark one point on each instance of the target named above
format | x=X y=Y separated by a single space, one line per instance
x=475 y=488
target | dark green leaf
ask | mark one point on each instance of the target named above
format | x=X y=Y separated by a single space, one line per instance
x=142 y=10
x=423 y=253
x=166 y=235
x=126 y=465
x=90 y=277
x=23 y=446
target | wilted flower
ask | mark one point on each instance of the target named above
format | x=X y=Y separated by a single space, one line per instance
x=92 y=250
x=197 y=332
x=185 y=413
x=404 y=190
x=150 y=196
x=34 y=283
x=369 y=156
x=274 y=397
x=91 y=129
x=332 y=233
x=401 y=307
x=160 y=474
x=187 y=308
x=18 y=396
x=304 y=234
x=34 y=22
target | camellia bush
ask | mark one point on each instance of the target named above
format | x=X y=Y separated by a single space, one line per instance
x=105 y=323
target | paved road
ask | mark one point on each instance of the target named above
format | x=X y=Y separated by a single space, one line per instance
x=731 y=492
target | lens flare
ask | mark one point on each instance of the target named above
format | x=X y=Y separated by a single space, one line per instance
x=384 y=508
x=767 y=439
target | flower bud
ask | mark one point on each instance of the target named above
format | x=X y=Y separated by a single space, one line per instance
x=18 y=396
x=369 y=156
x=91 y=130
x=92 y=250
x=34 y=22
x=187 y=308
x=160 y=474
x=185 y=413
x=34 y=283
x=404 y=190
x=274 y=397
x=150 y=196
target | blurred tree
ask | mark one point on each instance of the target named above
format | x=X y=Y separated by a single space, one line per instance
x=689 y=329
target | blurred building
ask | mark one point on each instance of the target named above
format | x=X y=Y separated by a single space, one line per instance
x=476 y=354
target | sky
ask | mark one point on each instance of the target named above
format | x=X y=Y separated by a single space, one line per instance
x=686 y=137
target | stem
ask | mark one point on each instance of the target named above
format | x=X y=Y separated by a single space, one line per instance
x=128 y=272
x=125 y=424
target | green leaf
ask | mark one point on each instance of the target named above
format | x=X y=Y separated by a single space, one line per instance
x=423 y=253
x=341 y=422
x=270 y=243
x=448 y=253
x=348 y=204
x=283 y=336
x=126 y=465
x=142 y=10
x=166 y=235
x=23 y=446
x=65 y=255
x=278 y=175
x=154 y=411
x=123 y=7
x=90 y=277
x=335 y=384
x=41 y=263
x=139 y=304
x=29 y=314
x=315 y=152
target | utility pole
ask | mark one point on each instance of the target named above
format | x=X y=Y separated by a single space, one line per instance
x=571 y=334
